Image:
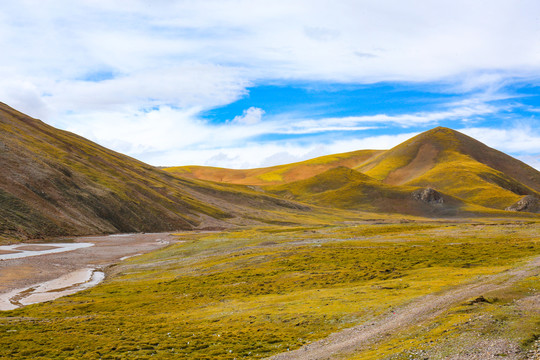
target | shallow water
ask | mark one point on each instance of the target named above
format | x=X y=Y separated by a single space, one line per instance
x=18 y=251
x=68 y=267
x=65 y=285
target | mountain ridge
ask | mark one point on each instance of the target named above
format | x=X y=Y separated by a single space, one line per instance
x=56 y=183
x=274 y=175
x=455 y=163
x=440 y=158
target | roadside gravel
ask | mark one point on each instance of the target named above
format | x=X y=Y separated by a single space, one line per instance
x=421 y=310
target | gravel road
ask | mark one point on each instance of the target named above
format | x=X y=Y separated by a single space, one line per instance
x=425 y=308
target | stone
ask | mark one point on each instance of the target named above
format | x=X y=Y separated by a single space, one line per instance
x=428 y=195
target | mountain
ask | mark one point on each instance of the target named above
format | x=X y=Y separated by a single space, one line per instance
x=57 y=183
x=443 y=159
x=275 y=175
x=349 y=189
x=456 y=164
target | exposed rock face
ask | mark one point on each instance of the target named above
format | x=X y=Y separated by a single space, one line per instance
x=527 y=203
x=428 y=195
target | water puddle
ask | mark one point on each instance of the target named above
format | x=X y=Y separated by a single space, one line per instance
x=65 y=285
x=17 y=251
x=129 y=256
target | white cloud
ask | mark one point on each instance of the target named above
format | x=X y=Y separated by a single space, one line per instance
x=252 y=154
x=24 y=96
x=521 y=139
x=461 y=111
x=531 y=160
x=250 y=116
x=172 y=60
x=345 y=41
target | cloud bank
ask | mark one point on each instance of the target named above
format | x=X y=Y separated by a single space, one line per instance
x=139 y=76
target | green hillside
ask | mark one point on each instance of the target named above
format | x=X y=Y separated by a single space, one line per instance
x=345 y=188
x=441 y=158
x=57 y=183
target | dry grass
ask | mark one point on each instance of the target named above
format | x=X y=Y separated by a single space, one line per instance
x=253 y=293
x=276 y=174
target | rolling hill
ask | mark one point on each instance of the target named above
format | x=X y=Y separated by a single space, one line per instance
x=57 y=183
x=275 y=175
x=456 y=164
x=346 y=188
x=443 y=159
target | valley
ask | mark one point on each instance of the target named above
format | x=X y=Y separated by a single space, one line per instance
x=387 y=290
x=421 y=251
x=41 y=272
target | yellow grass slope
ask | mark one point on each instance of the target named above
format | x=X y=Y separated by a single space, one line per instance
x=458 y=165
x=276 y=174
x=441 y=158
x=346 y=188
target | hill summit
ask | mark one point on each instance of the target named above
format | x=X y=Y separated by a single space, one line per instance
x=457 y=164
x=441 y=158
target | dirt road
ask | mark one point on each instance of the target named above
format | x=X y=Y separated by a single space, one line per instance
x=76 y=266
x=425 y=308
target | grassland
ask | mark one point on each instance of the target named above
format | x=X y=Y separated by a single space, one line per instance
x=256 y=292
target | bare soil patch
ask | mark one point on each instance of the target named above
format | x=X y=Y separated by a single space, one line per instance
x=424 y=160
x=35 y=247
x=5 y=252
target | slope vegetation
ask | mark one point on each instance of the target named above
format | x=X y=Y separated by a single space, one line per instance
x=57 y=183
x=458 y=165
x=441 y=158
x=345 y=188
x=276 y=174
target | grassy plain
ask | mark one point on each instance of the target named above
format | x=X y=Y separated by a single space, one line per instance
x=256 y=292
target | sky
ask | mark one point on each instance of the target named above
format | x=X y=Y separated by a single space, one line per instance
x=252 y=83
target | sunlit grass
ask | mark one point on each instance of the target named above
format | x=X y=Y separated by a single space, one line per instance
x=260 y=291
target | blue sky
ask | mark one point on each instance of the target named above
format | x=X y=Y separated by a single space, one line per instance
x=256 y=83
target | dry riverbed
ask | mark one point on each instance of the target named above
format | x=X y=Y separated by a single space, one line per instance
x=32 y=273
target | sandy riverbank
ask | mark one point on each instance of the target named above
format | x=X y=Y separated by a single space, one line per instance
x=19 y=251
x=49 y=271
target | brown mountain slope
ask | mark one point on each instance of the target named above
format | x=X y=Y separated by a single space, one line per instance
x=458 y=165
x=57 y=183
x=276 y=174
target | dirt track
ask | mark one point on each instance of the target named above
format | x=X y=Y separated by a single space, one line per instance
x=29 y=271
x=426 y=308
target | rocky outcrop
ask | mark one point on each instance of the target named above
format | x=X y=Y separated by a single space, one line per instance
x=428 y=196
x=527 y=203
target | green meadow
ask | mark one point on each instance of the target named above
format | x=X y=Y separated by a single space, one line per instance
x=260 y=291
